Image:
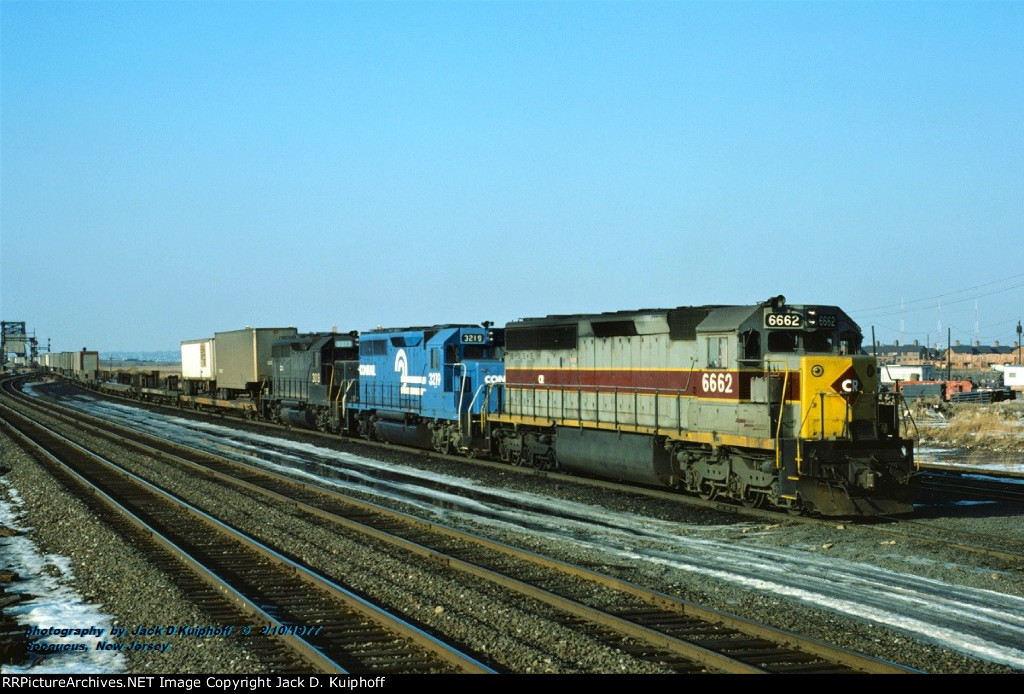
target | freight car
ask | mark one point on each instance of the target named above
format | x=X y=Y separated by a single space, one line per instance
x=936 y=390
x=767 y=404
x=230 y=371
x=234 y=364
x=82 y=366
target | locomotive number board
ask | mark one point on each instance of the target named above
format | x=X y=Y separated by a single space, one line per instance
x=798 y=320
x=783 y=320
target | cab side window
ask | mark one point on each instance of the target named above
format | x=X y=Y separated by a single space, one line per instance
x=718 y=352
x=818 y=341
x=751 y=342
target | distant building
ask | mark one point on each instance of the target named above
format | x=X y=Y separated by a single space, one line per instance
x=913 y=354
x=979 y=356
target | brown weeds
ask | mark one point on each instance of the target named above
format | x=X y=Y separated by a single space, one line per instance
x=995 y=426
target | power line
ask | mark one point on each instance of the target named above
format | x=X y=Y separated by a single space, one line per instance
x=940 y=299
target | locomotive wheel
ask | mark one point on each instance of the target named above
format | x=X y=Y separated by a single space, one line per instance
x=545 y=462
x=706 y=491
x=752 y=500
x=525 y=458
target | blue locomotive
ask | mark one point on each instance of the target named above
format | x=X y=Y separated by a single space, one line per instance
x=427 y=387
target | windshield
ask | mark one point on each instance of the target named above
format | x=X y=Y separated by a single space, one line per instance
x=816 y=342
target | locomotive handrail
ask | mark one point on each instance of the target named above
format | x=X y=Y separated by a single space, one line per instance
x=807 y=415
x=469 y=412
x=782 y=408
x=486 y=406
x=462 y=392
x=342 y=398
x=908 y=414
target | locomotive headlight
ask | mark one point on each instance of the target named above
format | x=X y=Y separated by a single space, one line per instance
x=812 y=318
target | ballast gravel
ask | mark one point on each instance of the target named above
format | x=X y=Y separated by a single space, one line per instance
x=508 y=634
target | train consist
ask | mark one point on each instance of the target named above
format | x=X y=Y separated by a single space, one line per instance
x=766 y=404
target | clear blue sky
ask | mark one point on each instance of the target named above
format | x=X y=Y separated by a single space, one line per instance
x=174 y=169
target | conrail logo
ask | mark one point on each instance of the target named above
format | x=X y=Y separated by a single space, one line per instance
x=848 y=383
x=411 y=385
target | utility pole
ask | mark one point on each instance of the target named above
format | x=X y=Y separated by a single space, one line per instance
x=1019 y=346
x=949 y=354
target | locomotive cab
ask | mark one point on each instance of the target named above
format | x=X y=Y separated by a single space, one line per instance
x=837 y=445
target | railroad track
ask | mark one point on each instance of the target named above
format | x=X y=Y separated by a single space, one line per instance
x=651 y=626
x=972 y=484
x=303 y=621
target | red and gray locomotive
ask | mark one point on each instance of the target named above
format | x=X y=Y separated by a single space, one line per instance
x=766 y=404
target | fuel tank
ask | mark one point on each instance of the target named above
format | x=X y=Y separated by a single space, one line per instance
x=416 y=435
x=630 y=457
x=298 y=418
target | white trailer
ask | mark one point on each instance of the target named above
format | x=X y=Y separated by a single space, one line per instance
x=890 y=373
x=1013 y=377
